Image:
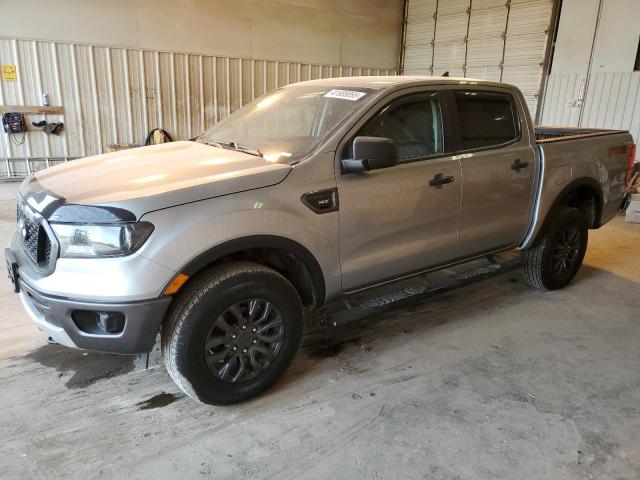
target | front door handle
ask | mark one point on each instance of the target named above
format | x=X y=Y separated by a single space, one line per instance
x=519 y=165
x=439 y=180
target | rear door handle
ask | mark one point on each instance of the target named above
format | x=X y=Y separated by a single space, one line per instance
x=439 y=180
x=518 y=165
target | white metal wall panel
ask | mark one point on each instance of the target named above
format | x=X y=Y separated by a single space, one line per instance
x=117 y=95
x=562 y=99
x=611 y=100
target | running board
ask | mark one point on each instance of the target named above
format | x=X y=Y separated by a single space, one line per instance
x=360 y=305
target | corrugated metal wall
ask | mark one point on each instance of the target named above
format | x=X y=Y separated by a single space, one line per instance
x=611 y=100
x=502 y=40
x=117 y=95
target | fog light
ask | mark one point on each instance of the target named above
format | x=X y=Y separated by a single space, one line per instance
x=110 y=322
x=99 y=323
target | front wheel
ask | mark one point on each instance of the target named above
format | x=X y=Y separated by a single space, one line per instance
x=232 y=333
x=557 y=256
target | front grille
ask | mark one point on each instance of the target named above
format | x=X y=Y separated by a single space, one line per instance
x=35 y=240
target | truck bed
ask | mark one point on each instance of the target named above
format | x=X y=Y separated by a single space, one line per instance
x=546 y=134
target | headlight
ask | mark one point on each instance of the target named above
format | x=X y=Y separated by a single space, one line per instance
x=84 y=241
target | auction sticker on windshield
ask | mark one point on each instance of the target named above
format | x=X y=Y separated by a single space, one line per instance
x=352 y=95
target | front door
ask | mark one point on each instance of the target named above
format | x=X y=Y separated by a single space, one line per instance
x=402 y=219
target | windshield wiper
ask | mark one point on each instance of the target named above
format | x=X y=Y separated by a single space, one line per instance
x=250 y=151
x=234 y=146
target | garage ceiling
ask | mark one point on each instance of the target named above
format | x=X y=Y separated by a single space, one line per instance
x=502 y=40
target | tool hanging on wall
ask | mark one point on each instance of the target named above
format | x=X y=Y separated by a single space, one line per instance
x=156 y=136
x=51 y=128
x=14 y=124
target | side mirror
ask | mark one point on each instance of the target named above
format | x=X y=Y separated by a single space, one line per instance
x=371 y=153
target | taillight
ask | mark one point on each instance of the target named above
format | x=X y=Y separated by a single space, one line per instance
x=631 y=157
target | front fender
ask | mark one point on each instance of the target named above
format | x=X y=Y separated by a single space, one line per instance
x=185 y=236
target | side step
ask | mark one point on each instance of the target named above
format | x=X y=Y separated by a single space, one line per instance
x=360 y=305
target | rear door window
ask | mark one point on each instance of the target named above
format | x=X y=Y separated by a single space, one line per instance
x=485 y=119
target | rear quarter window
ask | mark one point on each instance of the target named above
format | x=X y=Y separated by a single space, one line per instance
x=486 y=119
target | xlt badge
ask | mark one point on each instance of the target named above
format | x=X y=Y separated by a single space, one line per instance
x=322 y=201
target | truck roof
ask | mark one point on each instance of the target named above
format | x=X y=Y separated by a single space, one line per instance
x=380 y=82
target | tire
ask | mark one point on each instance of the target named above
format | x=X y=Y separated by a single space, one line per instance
x=557 y=256
x=203 y=333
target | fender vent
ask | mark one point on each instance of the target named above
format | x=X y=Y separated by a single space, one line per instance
x=322 y=201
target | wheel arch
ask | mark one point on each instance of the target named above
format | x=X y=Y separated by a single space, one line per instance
x=290 y=258
x=585 y=194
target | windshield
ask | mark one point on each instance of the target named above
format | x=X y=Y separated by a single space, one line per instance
x=288 y=123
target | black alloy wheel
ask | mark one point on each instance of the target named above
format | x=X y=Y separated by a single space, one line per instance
x=244 y=340
x=566 y=251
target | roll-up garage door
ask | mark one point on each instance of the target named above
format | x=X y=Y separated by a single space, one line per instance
x=485 y=46
x=502 y=40
x=449 y=48
x=420 y=18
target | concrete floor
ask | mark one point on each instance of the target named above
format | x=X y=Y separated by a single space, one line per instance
x=493 y=380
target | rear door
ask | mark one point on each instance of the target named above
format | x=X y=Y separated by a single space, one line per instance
x=398 y=220
x=498 y=170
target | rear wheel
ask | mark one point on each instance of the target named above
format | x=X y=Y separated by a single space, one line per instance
x=232 y=333
x=557 y=256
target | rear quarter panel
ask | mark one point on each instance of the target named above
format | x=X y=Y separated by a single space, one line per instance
x=580 y=160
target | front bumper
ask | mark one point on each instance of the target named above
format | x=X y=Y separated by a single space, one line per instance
x=112 y=304
x=59 y=319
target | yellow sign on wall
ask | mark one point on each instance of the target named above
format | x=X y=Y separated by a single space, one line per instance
x=9 y=73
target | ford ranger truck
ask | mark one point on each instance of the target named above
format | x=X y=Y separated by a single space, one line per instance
x=307 y=195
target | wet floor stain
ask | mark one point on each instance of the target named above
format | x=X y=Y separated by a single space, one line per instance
x=325 y=351
x=328 y=347
x=158 y=401
x=86 y=368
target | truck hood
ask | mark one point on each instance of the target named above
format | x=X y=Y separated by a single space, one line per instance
x=150 y=178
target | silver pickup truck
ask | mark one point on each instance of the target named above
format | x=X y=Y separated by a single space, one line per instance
x=311 y=193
